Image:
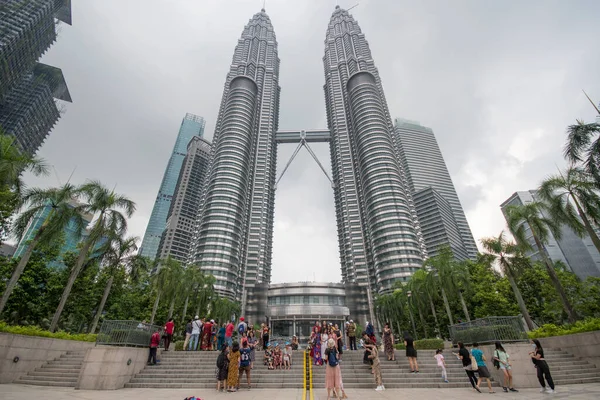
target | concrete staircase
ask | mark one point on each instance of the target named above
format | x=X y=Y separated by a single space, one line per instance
x=566 y=369
x=197 y=369
x=62 y=372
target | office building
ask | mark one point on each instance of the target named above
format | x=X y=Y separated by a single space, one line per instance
x=72 y=236
x=438 y=224
x=578 y=254
x=191 y=126
x=30 y=92
x=425 y=168
x=177 y=237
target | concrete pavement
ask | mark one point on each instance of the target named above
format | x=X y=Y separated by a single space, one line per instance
x=22 y=392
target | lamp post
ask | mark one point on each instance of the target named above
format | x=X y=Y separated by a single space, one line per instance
x=412 y=320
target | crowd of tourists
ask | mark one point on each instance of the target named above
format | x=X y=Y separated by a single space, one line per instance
x=326 y=348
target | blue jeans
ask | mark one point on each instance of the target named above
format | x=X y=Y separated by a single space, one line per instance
x=228 y=341
x=194 y=341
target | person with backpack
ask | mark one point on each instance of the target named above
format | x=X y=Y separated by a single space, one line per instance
x=242 y=328
x=222 y=368
x=351 y=332
x=332 y=372
x=196 y=328
x=502 y=362
x=188 y=334
x=154 y=343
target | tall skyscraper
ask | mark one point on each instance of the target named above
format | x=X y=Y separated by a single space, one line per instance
x=72 y=237
x=425 y=168
x=579 y=255
x=28 y=89
x=177 y=237
x=378 y=232
x=192 y=125
x=235 y=230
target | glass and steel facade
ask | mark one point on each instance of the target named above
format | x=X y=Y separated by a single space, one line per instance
x=71 y=237
x=578 y=254
x=191 y=126
x=234 y=233
x=177 y=237
x=425 y=168
x=29 y=91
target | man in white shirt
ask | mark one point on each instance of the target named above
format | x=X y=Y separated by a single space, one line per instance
x=196 y=328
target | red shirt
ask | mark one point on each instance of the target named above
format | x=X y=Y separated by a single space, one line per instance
x=170 y=327
x=155 y=339
x=229 y=330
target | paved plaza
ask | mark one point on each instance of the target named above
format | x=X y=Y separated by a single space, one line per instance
x=22 y=392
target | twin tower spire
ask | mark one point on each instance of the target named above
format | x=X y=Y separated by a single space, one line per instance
x=378 y=232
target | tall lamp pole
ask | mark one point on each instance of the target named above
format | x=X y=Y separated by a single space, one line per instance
x=412 y=320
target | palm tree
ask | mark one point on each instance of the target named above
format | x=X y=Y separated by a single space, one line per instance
x=431 y=290
x=107 y=205
x=582 y=147
x=441 y=267
x=13 y=162
x=223 y=309
x=192 y=276
x=117 y=252
x=204 y=292
x=530 y=215
x=511 y=261
x=58 y=209
x=176 y=284
x=160 y=282
x=416 y=285
x=577 y=187
x=462 y=281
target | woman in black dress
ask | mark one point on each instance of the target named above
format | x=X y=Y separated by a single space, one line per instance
x=411 y=354
x=222 y=368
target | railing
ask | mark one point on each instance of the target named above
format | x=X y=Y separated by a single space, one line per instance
x=489 y=329
x=127 y=333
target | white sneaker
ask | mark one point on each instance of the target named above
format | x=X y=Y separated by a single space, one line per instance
x=379 y=388
x=382 y=387
x=542 y=390
x=550 y=391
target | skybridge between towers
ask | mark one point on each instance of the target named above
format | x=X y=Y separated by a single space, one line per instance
x=303 y=138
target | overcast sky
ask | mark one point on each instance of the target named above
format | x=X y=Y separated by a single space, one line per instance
x=498 y=81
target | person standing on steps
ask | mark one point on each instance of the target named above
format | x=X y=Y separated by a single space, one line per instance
x=265 y=336
x=188 y=334
x=465 y=357
x=324 y=339
x=482 y=369
x=222 y=368
x=370 y=329
x=229 y=333
x=252 y=344
x=245 y=363
x=537 y=356
x=352 y=335
x=411 y=353
x=154 y=343
x=233 y=379
x=388 y=342
x=340 y=342
x=221 y=336
x=376 y=366
x=169 y=329
x=503 y=362
x=332 y=373
x=196 y=326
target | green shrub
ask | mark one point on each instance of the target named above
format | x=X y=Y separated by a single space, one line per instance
x=179 y=345
x=37 y=331
x=424 y=344
x=547 y=330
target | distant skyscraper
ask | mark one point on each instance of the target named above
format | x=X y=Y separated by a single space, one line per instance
x=191 y=126
x=235 y=230
x=27 y=88
x=425 y=167
x=579 y=255
x=438 y=224
x=71 y=235
x=176 y=239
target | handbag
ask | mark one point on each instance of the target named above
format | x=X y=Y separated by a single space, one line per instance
x=474 y=366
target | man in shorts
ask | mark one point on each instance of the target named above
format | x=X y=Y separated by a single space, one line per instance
x=482 y=369
x=245 y=362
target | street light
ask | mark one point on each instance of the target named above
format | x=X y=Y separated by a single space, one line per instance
x=412 y=320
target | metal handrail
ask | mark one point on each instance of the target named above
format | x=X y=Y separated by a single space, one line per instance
x=127 y=333
x=489 y=329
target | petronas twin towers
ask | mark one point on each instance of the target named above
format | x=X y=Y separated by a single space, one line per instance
x=378 y=231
